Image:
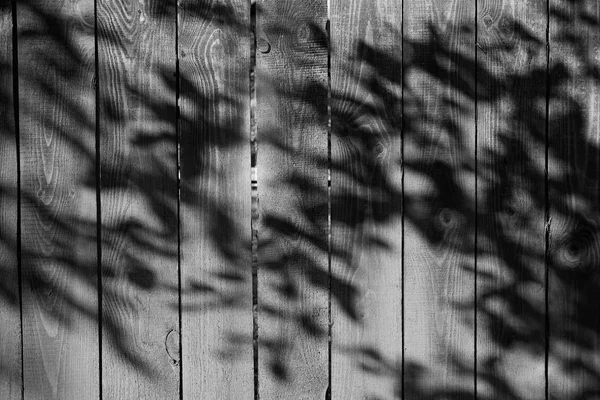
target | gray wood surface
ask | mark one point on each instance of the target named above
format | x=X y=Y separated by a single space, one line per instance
x=10 y=328
x=439 y=198
x=138 y=161
x=511 y=141
x=291 y=110
x=300 y=199
x=214 y=53
x=58 y=191
x=573 y=179
x=366 y=186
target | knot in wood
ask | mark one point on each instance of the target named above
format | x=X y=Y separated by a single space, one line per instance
x=379 y=150
x=263 y=46
x=488 y=21
x=446 y=217
x=580 y=254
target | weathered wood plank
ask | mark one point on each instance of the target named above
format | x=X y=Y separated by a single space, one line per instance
x=574 y=195
x=366 y=180
x=10 y=331
x=138 y=156
x=511 y=112
x=439 y=198
x=57 y=137
x=214 y=51
x=291 y=74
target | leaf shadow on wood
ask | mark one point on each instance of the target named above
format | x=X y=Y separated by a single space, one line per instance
x=136 y=132
x=512 y=310
x=509 y=215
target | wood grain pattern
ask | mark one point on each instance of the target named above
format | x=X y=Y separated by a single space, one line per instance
x=291 y=76
x=138 y=156
x=439 y=198
x=214 y=51
x=393 y=246
x=57 y=120
x=511 y=203
x=574 y=187
x=10 y=330
x=366 y=177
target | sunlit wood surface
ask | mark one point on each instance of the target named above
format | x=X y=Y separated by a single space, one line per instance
x=320 y=199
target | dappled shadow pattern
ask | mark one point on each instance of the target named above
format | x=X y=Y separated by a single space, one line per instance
x=519 y=204
x=513 y=197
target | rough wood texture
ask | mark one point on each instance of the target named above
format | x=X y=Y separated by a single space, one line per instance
x=293 y=282
x=573 y=178
x=511 y=111
x=10 y=327
x=138 y=155
x=214 y=51
x=57 y=120
x=366 y=180
x=439 y=198
x=452 y=213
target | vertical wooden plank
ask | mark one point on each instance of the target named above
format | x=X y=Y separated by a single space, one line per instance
x=439 y=198
x=574 y=195
x=58 y=187
x=10 y=332
x=138 y=156
x=291 y=75
x=366 y=180
x=214 y=51
x=511 y=140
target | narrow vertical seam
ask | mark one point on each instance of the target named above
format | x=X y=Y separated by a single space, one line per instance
x=547 y=206
x=254 y=195
x=475 y=327
x=402 y=172
x=15 y=63
x=328 y=395
x=178 y=166
x=98 y=200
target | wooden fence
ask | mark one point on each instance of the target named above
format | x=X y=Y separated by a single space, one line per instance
x=300 y=199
